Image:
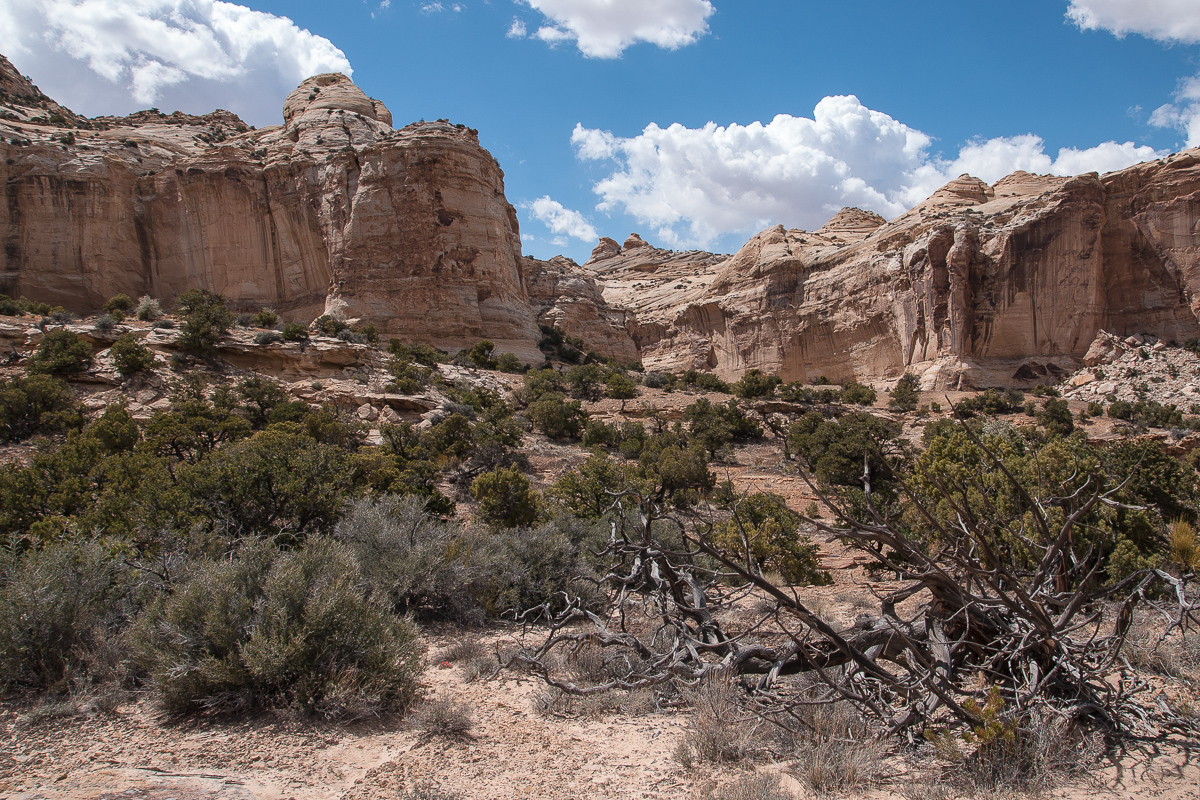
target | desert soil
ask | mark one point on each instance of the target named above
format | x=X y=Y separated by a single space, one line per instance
x=513 y=751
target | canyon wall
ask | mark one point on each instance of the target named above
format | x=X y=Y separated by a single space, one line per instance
x=335 y=211
x=979 y=285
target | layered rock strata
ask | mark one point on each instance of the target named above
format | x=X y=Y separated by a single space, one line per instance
x=334 y=210
x=566 y=296
x=979 y=285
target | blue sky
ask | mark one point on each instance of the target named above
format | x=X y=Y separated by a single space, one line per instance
x=599 y=111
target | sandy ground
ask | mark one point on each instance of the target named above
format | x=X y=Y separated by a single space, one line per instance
x=512 y=751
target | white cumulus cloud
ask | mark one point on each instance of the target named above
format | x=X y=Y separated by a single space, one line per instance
x=1164 y=20
x=517 y=30
x=1167 y=21
x=1184 y=113
x=560 y=220
x=116 y=56
x=694 y=185
x=604 y=28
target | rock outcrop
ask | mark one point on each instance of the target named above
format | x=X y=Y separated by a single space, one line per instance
x=564 y=295
x=334 y=211
x=407 y=229
x=979 y=285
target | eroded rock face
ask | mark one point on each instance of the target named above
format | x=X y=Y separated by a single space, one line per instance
x=563 y=294
x=407 y=229
x=336 y=211
x=979 y=285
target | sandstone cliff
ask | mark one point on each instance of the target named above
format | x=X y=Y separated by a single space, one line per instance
x=983 y=285
x=564 y=295
x=335 y=211
x=408 y=229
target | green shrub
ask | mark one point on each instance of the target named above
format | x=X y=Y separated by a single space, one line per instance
x=420 y=353
x=416 y=562
x=538 y=382
x=834 y=450
x=265 y=318
x=36 y=404
x=54 y=604
x=267 y=337
x=621 y=387
x=410 y=376
x=278 y=483
x=772 y=531
x=508 y=362
x=121 y=303
x=904 y=396
x=330 y=326
x=858 y=394
x=715 y=425
x=599 y=434
x=555 y=342
x=796 y=392
x=481 y=355
x=1121 y=409
x=557 y=417
x=60 y=353
x=589 y=490
x=585 y=381
x=440 y=569
x=106 y=323
x=130 y=356
x=279 y=629
x=756 y=383
x=206 y=321
x=706 y=381
x=294 y=332
x=659 y=380
x=506 y=498
x=262 y=398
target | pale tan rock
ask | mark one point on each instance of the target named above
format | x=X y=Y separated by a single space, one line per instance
x=606 y=248
x=976 y=286
x=851 y=225
x=564 y=295
x=408 y=230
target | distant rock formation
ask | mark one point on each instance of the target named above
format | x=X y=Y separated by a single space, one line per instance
x=334 y=211
x=566 y=296
x=978 y=285
x=407 y=229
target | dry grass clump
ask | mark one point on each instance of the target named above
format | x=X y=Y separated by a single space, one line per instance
x=474 y=660
x=553 y=702
x=755 y=786
x=720 y=729
x=837 y=765
x=1185 y=550
x=448 y=719
x=427 y=790
x=1027 y=758
x=835 y=749
x=1175 y=656
x=463 y=650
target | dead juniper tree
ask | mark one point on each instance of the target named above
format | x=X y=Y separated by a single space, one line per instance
x=1004 y=573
